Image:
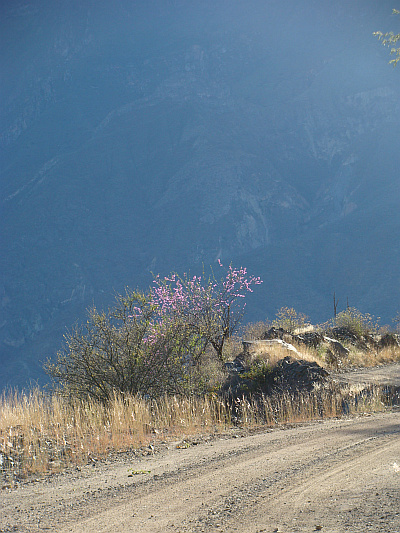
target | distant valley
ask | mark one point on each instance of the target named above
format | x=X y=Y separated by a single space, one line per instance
x=151 y=136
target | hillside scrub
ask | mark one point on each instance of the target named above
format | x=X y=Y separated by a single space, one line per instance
x=355 y=322
x=351 y=339
x=42 y=433
x=154 y=343
x=290 y=320
x=178 y=338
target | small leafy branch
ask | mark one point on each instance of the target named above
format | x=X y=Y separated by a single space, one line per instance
x=138 y=472
x=390 y=39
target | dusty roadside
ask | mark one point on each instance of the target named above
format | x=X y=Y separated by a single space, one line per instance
x=333 y=476
x=382 y=375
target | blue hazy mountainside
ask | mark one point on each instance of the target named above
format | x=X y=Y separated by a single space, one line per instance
x=158 y=135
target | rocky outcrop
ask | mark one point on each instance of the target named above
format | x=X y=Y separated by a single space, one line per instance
x=336 y=353
x=288 y=375
x=296 y=375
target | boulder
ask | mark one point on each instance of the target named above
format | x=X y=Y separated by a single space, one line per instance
x=289 y=375
x=344 y=334
x=296 y=375
x=362 y=342
x=336 y=353
x=311 y=339
x=236 y=366
x=275 y=333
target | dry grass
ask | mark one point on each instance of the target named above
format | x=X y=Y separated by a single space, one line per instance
x=275 y=352
x=327 y=402
x=40 y=434
x=356 y=358
x=384 y=356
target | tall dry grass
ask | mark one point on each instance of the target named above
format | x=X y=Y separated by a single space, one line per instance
x=384 y=356
x=41 y=434
x=321 y=403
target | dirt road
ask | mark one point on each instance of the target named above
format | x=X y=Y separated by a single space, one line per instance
x=382 y=375
x=332 y=476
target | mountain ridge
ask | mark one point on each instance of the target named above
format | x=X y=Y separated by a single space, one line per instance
x=151 y=138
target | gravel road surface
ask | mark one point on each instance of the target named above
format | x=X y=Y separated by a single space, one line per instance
x=331 y=476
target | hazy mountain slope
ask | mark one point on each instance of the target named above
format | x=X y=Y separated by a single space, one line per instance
x=150 y=136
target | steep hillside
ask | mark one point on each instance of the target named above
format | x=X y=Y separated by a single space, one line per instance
x=147 y=136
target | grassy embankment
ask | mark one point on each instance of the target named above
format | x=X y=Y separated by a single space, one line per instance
x=40 y=433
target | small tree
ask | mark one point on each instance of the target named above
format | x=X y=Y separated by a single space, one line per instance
x=153 y=343
x=208 y=310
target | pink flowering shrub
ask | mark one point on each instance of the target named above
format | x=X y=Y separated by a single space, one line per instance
x=153 y=343
x=208 y=310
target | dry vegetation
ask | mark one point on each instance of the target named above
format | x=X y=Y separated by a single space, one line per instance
x=385 y=356
x=41 y=433
x=356 y=357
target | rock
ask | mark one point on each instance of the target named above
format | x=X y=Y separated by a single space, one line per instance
x=389 y=340
x=336 y=352
x=259 y=346
x=343 y=334
x=295 y=375
x=362 y=342
x=311 y=339
x=339 y=351
x=289 y=375
x=275 y=333
x=236 y=366
x=331 y=359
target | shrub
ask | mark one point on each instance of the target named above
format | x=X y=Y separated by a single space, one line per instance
x=255 y=330
x=115 y=351
x=355 y=322
x=289 y=319
x=153 y=343
x=258 y=373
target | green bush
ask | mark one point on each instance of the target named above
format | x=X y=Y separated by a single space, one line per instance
x=116 y=351
x=165 y=341
x=289 y=319
x=356 y=322
x=258 y=371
